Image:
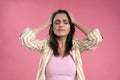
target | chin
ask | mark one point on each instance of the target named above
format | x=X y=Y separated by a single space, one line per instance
x=62 y=35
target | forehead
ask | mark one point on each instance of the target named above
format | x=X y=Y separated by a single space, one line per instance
x=61 y=16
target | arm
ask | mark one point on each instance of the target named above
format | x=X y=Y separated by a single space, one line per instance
x=86 y=30
x=39 y=29
x=28 y=38
x=93 y=37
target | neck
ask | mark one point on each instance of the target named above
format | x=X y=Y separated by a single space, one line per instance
x=61 y=41
x=61 y=45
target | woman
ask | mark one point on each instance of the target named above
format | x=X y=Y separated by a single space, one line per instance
x=60 y=53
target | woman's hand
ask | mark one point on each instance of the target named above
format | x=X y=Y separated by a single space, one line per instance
x=85 y=29
x=49 y=20
x=40 y=28
x=72 y=18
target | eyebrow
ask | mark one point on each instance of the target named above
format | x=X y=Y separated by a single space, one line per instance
x=57 y=20
x=63 y=20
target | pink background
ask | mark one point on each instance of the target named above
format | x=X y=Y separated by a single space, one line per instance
x=19 y=63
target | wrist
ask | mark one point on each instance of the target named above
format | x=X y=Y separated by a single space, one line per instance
x=47 y=24
x=75 y=23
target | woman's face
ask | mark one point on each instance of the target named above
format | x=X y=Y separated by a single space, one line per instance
x=61 y=26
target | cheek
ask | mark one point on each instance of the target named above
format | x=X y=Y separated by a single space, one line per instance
x=68 y=29
x=54 y=28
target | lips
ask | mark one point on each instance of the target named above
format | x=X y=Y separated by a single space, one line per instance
x=61 y=29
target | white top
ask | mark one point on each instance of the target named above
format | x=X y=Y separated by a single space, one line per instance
x=59 y=68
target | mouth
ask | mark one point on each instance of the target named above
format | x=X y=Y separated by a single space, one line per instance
x=61 y=29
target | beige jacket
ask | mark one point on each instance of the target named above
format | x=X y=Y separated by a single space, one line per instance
x=28 y=39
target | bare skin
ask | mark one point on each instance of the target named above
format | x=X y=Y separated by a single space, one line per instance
x=61 y=28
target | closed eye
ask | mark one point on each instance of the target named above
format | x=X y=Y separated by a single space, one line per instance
x=65 y=21
x=57 y=21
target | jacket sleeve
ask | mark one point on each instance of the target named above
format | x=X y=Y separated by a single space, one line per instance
x=91 y=42
x=28 y=39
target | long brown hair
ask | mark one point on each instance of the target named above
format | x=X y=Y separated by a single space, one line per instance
x=53 y=38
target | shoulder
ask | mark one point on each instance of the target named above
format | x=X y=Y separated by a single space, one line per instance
x=75 y=40
x=75 y=43
x=44 y=44
x=44 y=41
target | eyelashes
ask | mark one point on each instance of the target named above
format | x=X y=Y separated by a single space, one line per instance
x=58 y=22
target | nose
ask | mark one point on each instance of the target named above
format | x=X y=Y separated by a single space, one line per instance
x=61 y=24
